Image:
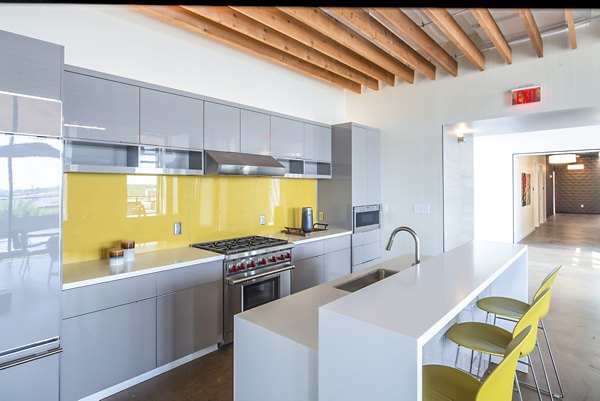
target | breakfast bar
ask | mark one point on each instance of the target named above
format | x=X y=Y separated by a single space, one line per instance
x=326 y=343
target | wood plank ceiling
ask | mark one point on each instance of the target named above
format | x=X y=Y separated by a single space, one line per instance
x=353 y=48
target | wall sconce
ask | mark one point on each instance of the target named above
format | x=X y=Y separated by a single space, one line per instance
x=575 y=167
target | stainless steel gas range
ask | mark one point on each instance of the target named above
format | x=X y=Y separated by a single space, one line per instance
x=256 y=270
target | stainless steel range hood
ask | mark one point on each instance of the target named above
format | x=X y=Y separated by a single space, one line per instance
x=231 y=163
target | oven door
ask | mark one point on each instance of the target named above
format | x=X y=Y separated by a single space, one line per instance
x=366 y=218
x=246 y=291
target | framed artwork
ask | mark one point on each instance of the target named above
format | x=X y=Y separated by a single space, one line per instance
x=525 y=189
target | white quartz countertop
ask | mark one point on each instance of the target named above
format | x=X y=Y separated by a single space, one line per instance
x=313 y=236
x=416 y=302
x=98 y=271
x=296 y=316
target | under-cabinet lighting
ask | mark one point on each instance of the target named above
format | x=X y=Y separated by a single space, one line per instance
x=561 y=159
x=575 y=167
x=85 y=127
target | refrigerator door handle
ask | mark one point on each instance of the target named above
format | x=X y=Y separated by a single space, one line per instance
x=30 y=358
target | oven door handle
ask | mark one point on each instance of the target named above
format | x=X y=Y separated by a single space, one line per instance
x=232 y=281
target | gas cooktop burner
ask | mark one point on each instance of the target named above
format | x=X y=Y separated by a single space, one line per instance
x=242 y=244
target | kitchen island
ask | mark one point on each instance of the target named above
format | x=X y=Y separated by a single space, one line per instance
x=328 y=344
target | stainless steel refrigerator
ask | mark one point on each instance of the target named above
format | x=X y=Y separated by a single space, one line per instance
x=30 y=247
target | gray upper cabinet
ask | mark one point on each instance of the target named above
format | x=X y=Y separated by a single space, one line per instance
x=168 y=120
x=255 y=132
x=100 y=109
x=317 y=143
x=359 y=166
x=373 y=167
x=221 y=127
x=287 y=138
x=30 y=66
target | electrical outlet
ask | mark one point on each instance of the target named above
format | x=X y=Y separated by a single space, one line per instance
x=177 y=228
x=422 y=208
x=263 y=220
x=321 y=216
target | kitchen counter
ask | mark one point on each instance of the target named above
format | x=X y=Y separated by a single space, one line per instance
x=98 y=271
x=313 y=236
x=328 y=344
x=295 y=317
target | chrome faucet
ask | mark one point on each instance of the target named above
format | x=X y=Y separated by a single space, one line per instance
x=415 y=237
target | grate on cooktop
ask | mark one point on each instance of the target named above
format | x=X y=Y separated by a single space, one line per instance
x=242 y=244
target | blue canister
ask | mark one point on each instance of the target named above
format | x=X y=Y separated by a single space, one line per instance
x=307 y=219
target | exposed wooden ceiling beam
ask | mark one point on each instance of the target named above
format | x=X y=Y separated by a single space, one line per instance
x=444 y=20
x=283 y=23
x=395 y=19
x=362 y=22
x=209 y=28
x=532 y=30
x=238 y=22
x=329 y=26
x=571 y=23
x=489 y=26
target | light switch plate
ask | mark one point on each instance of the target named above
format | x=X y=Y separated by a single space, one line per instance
x=321 y=216
x=422 y=208
x=177 y=228
x=263 y=220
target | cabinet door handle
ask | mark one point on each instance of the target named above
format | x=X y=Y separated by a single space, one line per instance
x=30 y=358
x=233 y=281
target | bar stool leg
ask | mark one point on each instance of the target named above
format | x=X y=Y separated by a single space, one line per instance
x=562 y=394
x=471 y=365
x=518 y=387
x=456 y=359
x=537 y=386
x=544 y=369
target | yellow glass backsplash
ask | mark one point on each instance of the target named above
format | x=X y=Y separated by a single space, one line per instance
x=100 y=210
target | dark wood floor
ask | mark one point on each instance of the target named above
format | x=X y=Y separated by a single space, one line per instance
x=573 y=323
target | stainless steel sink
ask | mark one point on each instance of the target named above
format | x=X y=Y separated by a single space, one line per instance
x=363 y=281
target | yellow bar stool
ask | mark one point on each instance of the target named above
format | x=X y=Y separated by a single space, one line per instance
x=445 y=383
x=512 y=310
x=489 y=339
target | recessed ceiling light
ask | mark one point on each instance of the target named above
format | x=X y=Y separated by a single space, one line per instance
x=561 y=159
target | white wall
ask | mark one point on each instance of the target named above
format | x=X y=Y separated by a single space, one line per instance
x=524 y=216
x=121 y=40
x=411 y=119
x=493 y=177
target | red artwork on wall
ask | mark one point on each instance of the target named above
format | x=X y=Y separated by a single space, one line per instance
x=525 y=189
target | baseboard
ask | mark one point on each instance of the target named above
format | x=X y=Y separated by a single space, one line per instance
x=107 y=392
x=525 y=234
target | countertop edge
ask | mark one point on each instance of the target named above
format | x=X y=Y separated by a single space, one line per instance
x=321 y=238
x=150 y=270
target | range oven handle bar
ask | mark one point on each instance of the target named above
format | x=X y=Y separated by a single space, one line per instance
x=30 y=358
x=232 y=281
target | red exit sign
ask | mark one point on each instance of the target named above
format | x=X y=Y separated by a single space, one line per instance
x=530 y=94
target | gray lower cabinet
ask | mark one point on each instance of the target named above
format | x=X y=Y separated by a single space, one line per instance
x=106 y=347
x=287 y=138
x=318 y=262
x=100 y=109
x=221 y=127
x=30 y=66
x=167 y=119
x=189 y=310
x=317 y=143
x=255 y=132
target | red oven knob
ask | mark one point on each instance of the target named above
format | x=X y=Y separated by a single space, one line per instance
x=263 y=261
x=242 y=266
x=233 y=268
x=273 y=258
x=281 y=257
x=252 y=264
x=288 y=255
